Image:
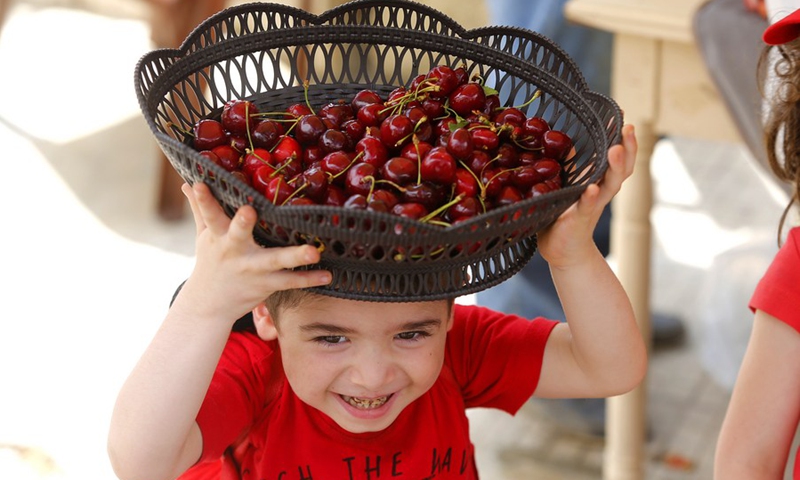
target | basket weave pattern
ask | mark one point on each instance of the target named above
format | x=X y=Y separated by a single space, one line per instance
x=257 y=52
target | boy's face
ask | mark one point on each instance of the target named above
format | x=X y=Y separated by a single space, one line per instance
x=362 y=363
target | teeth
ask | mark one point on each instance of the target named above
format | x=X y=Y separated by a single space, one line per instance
x=365 y=403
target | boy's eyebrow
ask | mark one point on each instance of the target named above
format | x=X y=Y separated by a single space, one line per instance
x=319 y=327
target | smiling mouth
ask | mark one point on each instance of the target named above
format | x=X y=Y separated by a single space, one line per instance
x=366 y=403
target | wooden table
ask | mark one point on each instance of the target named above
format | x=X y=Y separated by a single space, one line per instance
x=661 y=83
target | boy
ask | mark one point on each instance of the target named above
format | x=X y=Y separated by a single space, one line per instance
x=343 y=389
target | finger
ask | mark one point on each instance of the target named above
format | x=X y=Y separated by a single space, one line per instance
x=291 y=279
x=588 y=203
x=199 y=224
x=242 y=224
x=287 y=258
x=210 y=210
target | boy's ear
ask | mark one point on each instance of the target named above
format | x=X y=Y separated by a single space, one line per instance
x=451 y=318
x=265 y=325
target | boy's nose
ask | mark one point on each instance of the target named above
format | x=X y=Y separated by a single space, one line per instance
x=373 y=369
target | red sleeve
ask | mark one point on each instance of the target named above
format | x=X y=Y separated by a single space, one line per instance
x=496 y=358
x=778 y=291
x=238 y=392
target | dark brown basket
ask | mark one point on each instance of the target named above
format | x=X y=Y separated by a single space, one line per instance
x=255 y=52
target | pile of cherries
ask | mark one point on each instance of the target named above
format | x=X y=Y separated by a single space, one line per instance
x=440 y=150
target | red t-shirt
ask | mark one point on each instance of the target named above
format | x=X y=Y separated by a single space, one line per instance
x=255 y=427
x=778 y=292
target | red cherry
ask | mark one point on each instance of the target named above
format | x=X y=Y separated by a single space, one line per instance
x=547 y=168
x=491 y=105
x=556 y=144
x=261 y=178
x=526 y=176
x=466 y=184
x=336 y=162
x=266 y=134
x=484 y=139
x=298 y=110
x=208 y=134
x=465 y=209
x=337 y=113
x=278 y=190
x=314 y=183
x=509 y=116
x=229 y=157
x=372 y=151
x=438 y=166
x=334 y=196
x=372 y=115
x=427 y=194
x=466 y=98
x=385 y=196
x=287 y=148
x=411 y=210
x=478 y=160
x=507 y=156
x=396 y=130
x=459 y=143
x=308 y=129
x=399 y=170
x=415 y=150
x=365 y=97
x=237 y=116
x=359 y=179
x=255 y=159
x=508 y=195
x=444 y=79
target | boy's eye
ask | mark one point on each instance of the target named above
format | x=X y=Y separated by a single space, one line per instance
x=418 y=335
x=331 y=339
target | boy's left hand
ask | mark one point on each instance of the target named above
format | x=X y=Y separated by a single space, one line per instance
x=569 y=239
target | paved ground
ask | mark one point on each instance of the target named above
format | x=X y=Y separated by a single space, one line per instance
x=87 y=268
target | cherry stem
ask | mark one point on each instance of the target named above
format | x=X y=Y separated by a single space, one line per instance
x=442 y=208
x=305 y=94
x=352 y=162
x=292 y=195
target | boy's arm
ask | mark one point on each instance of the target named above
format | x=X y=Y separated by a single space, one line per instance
x=153 y=434
x=600 y=351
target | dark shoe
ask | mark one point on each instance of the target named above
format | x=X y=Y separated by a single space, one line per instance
x=667 y=330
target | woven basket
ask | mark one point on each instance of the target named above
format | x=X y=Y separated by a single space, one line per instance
x=258 y=51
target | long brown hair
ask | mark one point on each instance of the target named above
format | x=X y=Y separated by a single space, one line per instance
x=782 y=123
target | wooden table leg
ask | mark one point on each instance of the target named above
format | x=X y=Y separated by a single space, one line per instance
x=171 y=22
x=636 y=92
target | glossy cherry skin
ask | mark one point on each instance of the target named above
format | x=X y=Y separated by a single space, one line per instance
x=229 y=157
x=359 y=178
x=261 y=178
x=465 y=209
x=237 y=116
x=313 y=182
x=255 y=159
x=365 y=97
x=547 y=168
x=465 y=184
x=308 y=129
x=333 y=140
x=396 y=130
x=459 y=143
x=400 y=170
x=466 y=98
x=443 y=79
x=411 y=210
x=484 y=139
x=438 y=166
x=278 y=190
x=556 y=144
x=415 y=150
x=372 y=151
x=209 y=133
x=266 y=134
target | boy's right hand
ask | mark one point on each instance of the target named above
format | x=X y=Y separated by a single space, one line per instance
x=232 y=272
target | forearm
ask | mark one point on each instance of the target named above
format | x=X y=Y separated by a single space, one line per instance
x=157 y=406
x=605 y=341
